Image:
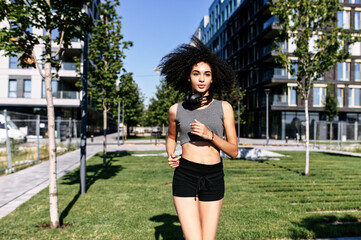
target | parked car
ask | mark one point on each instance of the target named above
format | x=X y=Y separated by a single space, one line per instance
x=13 y=131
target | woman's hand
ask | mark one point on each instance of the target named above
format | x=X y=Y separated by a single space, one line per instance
x=173 y=160
x=201 y=130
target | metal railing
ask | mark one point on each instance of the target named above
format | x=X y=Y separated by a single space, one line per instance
x=18 y=128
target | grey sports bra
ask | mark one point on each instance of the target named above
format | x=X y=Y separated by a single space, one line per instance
x=211 y=116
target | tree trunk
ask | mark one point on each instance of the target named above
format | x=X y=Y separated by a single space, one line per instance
x=330 y=132
x=307 y=139
x=105 y=138
x=53 y=192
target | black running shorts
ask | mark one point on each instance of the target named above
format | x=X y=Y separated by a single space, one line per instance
x=198 y=180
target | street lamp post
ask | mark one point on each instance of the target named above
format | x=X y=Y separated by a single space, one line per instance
x=267 y=91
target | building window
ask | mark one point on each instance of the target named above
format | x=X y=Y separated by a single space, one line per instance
x=340 y=94
x=343 y=71
x=357 y=19
x=319 y=95
x=355 y=49
x=355 y=1
x=343 y=19
x=13 y=62
x=292 y=95
x=27 y=88
x=54 y=88
x=357 y=71
x=294 y=68
x=12 y=88
x=354 y=97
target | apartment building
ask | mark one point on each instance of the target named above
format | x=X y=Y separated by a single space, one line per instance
x=23 y=90
x=242 y=32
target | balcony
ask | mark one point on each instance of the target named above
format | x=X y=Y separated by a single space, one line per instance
x=274 y=73
x=270 y=22
x=67 y=95
x=267 y=49
x=68 y=66
x=280 y=73
x=279 y=100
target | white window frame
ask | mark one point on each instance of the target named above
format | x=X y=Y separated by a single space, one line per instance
x=355 y=49
x=289 y=86
x=322 y=89
x=357 y=61
x=25 y=92
x=340 y=86
x=345 y=18
x=345 y=68
x=352 y=96
x=357 y=10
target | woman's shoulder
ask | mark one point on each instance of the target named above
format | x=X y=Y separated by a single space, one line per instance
x=226 y=106
x=173 y=108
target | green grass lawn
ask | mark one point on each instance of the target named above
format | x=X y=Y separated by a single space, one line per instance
x=131 y=199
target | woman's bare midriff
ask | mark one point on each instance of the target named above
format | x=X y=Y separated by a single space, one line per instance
x=202 y=152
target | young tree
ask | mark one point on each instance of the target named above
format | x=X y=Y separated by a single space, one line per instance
x=133 y=101
x=310 y=23
x=106 y=54
x=71 y=21
x=235 y=97
x=165 y=97
x=331 y=110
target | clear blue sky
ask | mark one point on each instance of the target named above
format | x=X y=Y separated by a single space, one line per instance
x=156 y=27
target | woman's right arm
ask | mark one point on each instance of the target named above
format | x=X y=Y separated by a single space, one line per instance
x=171 y=142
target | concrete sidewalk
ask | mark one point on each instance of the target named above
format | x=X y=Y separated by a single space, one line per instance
x=20 y=186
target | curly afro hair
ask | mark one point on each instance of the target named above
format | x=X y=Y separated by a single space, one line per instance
x=177 y=66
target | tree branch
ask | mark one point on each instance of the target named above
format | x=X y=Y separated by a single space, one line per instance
x=60 y=42
x=37 y=64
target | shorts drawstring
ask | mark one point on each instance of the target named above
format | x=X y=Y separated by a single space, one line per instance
x=203 y=183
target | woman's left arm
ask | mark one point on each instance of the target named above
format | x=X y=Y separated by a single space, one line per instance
x=228 y=146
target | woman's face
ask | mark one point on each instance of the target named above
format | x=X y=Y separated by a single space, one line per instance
x=201 y=78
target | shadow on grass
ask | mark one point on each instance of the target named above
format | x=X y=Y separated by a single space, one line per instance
x=94 y=173
x=327 y=226
x=168 y=230
x=338 y=154
x=282 y=167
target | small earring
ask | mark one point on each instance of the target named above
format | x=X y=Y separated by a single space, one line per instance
x=189 y=80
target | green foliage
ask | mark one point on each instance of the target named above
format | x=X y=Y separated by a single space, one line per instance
x=16 y=36
x=165 y=97
x=233 y=98
x=331 y=110
x=300 y=20
x=106 y=54
x=133 y=100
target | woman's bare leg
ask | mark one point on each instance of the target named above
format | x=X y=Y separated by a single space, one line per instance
x=188 y=213
x=209 y=215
